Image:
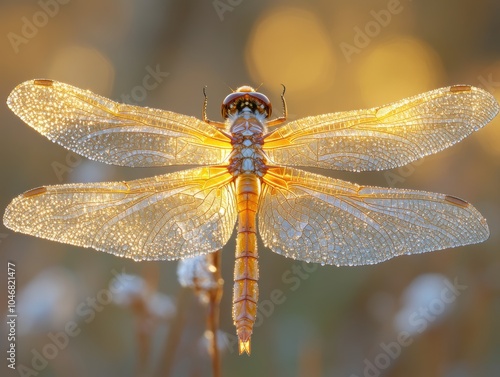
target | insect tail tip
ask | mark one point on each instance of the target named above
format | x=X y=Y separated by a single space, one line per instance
x=244 y=346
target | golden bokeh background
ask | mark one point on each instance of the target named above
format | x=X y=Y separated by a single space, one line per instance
x=332 y=56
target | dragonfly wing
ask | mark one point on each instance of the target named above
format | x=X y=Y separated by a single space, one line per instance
x=383 y=137
x=120 y=134
x=167 y=217
x=318 y=219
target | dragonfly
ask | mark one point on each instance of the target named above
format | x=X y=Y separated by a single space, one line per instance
x=245 y=177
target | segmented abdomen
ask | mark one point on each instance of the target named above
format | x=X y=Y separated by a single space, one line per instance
x=246 y=271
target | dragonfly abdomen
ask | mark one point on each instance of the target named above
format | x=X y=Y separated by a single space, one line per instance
x=246 y=271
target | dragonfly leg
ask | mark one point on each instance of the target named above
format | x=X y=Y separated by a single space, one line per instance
x=204 y=116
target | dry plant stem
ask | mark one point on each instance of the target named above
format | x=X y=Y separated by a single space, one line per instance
x=143 y=335
x=144 y=323
x=174 y=334
x=215 y=296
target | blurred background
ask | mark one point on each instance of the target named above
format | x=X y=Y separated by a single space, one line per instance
x=86 y=313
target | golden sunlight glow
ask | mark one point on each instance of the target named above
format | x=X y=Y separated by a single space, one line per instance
x=83 y=66
x=289 y=45
x=396 y=68
x=490 y=141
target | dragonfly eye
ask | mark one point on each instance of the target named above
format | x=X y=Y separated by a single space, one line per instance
x=246 y=97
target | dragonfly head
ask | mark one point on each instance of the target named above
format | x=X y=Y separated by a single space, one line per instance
x=246 y=97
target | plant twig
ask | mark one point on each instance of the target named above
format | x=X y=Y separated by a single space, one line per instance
x=214 y=298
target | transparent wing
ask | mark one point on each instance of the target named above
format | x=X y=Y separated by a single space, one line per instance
x=318 y=219
x=120 y=134
x=383 y=137
x=171 y=216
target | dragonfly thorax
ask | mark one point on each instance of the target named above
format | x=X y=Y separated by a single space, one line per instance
x=247 y=132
